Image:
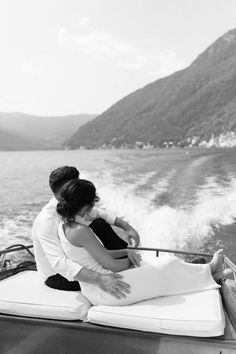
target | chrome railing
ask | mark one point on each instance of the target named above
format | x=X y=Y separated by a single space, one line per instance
x=229 y=264
x=158 y=250
x=6 y=263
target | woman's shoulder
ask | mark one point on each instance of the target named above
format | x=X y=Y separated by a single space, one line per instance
x=77 y=227
x=76 y=232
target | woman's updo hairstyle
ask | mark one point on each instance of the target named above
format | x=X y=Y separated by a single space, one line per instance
x=76 y=194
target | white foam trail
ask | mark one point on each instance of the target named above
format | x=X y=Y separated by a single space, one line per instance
x=15 y=231
x=106 y=183
x=193 y=226
x=217 y=202
x=215 y=206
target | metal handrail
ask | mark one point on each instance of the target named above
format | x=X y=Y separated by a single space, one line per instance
x=230 y=264
x=18 y=247
x=227 y=261
x=157 y=250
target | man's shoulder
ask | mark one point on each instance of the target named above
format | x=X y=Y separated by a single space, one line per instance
x=47 y=215
x=43 y=215
x=49 y=209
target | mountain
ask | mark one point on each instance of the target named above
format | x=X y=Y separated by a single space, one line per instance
x=11 y=141
x=193 y=103
x=48 y=132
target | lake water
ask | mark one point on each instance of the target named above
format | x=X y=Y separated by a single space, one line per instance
x=178 y=198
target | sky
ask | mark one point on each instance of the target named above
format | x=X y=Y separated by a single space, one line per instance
x=62 y=57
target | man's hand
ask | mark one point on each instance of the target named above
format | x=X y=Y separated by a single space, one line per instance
x=111 y=284
x=132 y=236
x=134 y=258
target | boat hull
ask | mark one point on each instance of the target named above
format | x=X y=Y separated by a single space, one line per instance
x=21 y=335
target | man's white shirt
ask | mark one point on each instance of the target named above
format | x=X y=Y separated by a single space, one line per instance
x=49 y=255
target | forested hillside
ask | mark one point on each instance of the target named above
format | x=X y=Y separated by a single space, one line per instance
x=196 y=102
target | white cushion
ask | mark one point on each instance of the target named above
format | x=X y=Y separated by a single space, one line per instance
x=25 y=294
x=196 y=314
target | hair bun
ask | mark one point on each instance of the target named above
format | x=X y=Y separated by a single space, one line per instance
x=64 y=209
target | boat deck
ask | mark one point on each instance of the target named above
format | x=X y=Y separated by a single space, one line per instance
x=21 y=335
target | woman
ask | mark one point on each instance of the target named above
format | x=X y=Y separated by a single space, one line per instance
x=165 y=276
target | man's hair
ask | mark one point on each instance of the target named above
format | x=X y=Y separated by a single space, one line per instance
x=60 y=176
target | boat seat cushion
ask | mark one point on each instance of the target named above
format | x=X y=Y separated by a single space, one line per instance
x=193 y=314
x=25 y=294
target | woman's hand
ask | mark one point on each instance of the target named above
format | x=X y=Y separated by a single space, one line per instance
x=132 y=236
x=134 y=258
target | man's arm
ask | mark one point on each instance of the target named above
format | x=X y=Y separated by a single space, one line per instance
x=97 y=213
x=110 y=283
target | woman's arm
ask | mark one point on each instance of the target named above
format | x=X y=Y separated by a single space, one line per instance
x=118 y=253
x=134 y=256
x=132 y=235
x=83 y=236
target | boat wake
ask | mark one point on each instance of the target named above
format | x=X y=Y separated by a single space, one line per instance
x=189 y=226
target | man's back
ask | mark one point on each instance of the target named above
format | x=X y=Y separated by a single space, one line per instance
x=49 y=255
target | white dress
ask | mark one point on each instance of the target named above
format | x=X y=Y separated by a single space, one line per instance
x=167 y=275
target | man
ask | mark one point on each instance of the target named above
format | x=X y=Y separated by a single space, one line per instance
x=62 y=273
